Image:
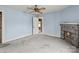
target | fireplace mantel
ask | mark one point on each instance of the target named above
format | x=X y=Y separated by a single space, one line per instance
x=69 y=23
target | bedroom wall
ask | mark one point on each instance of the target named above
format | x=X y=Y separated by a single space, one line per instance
x=53 y=20
x=71 y=13
x=17 y=24
x=51 y=24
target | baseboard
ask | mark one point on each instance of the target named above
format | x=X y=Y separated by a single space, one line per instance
x=15 y=38
x=52 y=35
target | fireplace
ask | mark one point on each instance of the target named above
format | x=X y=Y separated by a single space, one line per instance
x=70 y=33
x=67 y=34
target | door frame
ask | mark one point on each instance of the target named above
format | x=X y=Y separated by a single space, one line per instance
x=3 y=26
x=42 y=23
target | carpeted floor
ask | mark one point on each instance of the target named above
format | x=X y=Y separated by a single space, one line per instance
x=39 y=44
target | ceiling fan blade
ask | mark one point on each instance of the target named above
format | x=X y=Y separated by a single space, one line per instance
x=35 y=9
x=40 y=12
x=31 y=11
x=42 y=8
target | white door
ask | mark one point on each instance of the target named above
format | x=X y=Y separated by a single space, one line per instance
x=35 y=25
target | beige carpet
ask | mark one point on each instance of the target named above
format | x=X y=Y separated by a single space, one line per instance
x=39 y=44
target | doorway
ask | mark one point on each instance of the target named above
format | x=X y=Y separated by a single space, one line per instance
x=37 y=25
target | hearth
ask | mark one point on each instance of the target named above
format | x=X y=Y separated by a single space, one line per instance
x=70 y=33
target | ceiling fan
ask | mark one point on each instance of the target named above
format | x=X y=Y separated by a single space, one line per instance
x=36 y=9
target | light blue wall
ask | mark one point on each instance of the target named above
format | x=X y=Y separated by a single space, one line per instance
x=17 y=23
x=53 y=20
x=51 y=24
x=71 y=13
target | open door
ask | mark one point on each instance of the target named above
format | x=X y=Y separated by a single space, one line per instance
x=37 y=25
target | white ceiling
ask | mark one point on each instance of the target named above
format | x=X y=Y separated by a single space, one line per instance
x=49 y=8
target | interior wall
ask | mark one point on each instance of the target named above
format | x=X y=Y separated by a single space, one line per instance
x=53 y=20
x=51 y=24
x=71 y=13
x=17 y=24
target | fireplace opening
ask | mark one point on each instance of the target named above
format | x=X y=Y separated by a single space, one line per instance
x=67 y=35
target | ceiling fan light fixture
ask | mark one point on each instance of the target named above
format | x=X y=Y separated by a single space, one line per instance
x=37 y=10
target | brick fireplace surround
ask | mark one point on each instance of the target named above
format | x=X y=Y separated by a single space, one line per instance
x=70 y=33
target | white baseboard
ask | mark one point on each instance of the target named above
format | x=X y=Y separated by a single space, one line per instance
x=51 y=35
x=15 y=38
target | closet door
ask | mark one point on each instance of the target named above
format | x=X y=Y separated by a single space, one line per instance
x=0 y=27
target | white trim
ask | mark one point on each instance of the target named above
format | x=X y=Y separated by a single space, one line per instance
x=3 y=26
x=15 y=38
x=51 y=35
x=36 y=18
